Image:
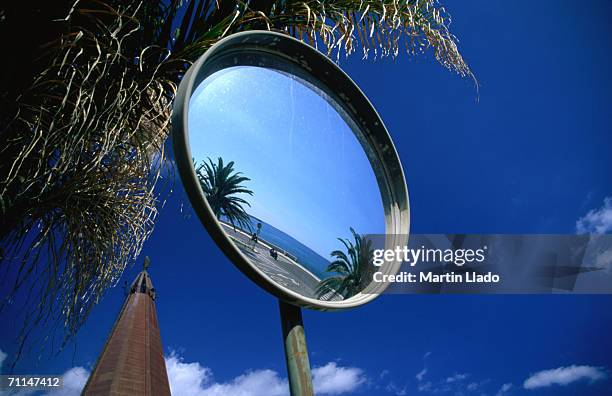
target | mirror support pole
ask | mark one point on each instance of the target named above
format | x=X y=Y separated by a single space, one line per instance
x=296 y=353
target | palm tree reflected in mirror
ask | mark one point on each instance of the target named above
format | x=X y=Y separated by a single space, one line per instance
x=351 y=267
x=222 y=185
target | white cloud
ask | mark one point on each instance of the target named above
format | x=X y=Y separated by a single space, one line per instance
x=456 y=377
x=193 y=379
x=396 y=390
x=334 y=380
x=419 y=376
x=73 y=382
x=564 y=376
x=253 y=383
x=426 y=387
x=597 y=221
x=505 y=388
x=186 y=378
x=456 y=384
x=472 y=386
x=604 y=259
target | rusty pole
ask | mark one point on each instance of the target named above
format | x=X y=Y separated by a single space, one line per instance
x=296 y=353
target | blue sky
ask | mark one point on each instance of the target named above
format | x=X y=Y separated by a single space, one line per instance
x=531 y=156
x=310 y=176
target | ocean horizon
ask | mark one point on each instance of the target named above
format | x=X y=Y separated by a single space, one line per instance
x=306 y=257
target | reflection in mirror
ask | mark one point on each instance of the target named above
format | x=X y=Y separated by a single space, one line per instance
x=287 y=178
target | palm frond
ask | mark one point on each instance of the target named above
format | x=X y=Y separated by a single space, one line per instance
x=81 y=156
x=379 y=28
x=221 y=184
x=351 y=266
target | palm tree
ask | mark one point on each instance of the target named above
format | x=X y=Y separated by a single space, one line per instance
x=221 y=185
x=350 y=267
x=85 y=108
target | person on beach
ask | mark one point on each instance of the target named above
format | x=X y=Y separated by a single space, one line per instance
x=255 y=236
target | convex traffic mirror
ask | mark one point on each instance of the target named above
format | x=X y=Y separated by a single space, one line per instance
x=289 y=168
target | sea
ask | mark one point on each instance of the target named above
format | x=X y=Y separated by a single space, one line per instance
x=306 y=257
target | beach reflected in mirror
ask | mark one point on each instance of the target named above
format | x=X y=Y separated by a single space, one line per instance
x=287 y=178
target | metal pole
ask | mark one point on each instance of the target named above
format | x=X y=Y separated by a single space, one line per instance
x=296 y=353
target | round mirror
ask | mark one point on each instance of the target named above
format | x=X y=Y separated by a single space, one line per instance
x=290 y=169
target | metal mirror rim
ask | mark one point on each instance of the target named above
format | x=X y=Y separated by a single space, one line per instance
x=348 y=94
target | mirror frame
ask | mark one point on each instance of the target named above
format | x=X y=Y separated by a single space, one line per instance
x=287 y=54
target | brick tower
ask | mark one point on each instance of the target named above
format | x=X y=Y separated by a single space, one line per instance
x=132 y=361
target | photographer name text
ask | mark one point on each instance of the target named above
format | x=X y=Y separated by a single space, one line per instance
x=431 y=277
